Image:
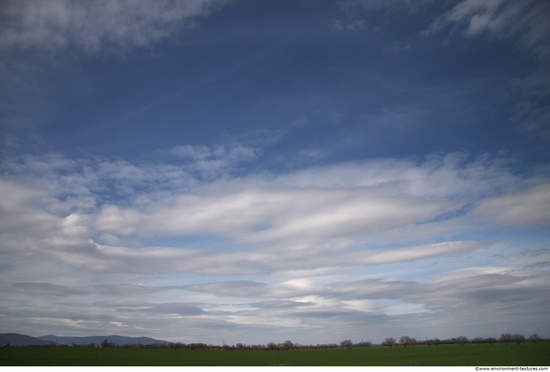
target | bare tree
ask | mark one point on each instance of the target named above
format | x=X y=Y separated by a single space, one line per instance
x=479 y=340
x=435 y=341
x=518 y=338
x=461 y=340
x=364 y=344
x=390 y=341
x=534 y=338
x=287 y=345
x=506 y=338
x=346 y=344
x=405 y=341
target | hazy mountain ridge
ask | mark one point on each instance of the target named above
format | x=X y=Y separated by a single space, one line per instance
x=16 y=339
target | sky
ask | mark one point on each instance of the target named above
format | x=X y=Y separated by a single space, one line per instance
x=258 y=171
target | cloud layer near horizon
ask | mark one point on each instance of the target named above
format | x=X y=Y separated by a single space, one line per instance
x=308 y=237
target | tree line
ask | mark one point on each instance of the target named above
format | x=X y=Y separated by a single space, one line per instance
x=404 y=341
x=505 y=338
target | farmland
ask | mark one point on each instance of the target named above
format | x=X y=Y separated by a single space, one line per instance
x=421 y=355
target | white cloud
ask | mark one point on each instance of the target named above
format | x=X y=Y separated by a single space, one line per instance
x=532 y=114
x=232 y=288
x=23 y=218
x=95 y=25
x=40 y=289
x=350 y=25
x=294 y=251
x=448 y=176
x=319 y=217
x=256 y=214
x=523 y=23
x=82 y=184
x=410 y=254
x=211 y=162
x=527 y=21
x=409 y=5
x=527 y=207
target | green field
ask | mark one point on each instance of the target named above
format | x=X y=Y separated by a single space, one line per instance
x=442 y=355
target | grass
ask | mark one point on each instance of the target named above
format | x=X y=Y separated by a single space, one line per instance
x=442 y=355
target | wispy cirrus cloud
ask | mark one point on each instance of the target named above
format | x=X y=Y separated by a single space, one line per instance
x=97 y=25
x=210 y=162
x=525 y=25
x=524 y=21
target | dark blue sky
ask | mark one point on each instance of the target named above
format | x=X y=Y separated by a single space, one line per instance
x=257 y=67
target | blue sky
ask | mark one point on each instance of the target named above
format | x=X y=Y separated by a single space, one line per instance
x=244 y=171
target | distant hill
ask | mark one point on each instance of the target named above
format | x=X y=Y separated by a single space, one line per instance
x=16 y=339
x=113 y=339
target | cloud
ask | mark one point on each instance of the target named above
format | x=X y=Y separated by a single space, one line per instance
x=370 y=288
x=525 y=21
x=21 y=216
x=525 y=25
x=317 y=217
x=82 y=184
x=409 y=5
x=41 y=289
x=503 y=293
x=524 y=208
x=411 y=254
x=318 y=203
x=129 y=289
x=173 y=308
x=97 y=25
x=324 y=248
x=210 y=162
x=231 y=288
x=351 y=25
x=474 y=298
x=480 y=289
x=359 y=15
x=287 y=223
x=436 y=176
x=534 y=118
x=533 y=115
